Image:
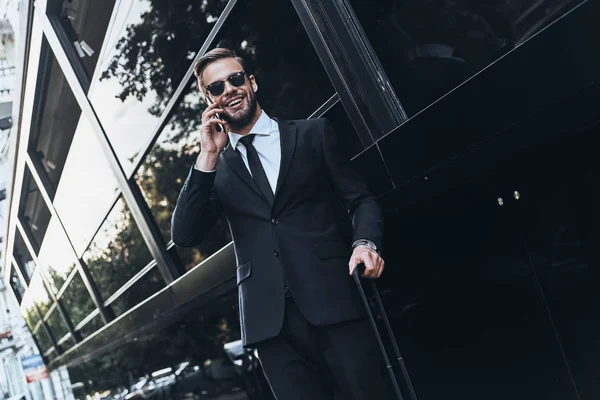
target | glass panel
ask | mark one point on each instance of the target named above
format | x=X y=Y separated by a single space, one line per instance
x=16 y=284
x=144 y=57
x=149 y=284
x=57 y=325
x=203 y=351
x=92 y=326
x=87 y=188
x=28 y=311
x=39 y=294
x=53 y=130
x=43 y=340
x=561 y=211
x=117 y=252
x=85 y=24
x=279 y=58
x=70 y=342
x=161 y=176
x=470 y=305
x=77 y=300
x=347 y=137
x=21 y=254
x=33 y=212
x=56 y=255
x=427 y=48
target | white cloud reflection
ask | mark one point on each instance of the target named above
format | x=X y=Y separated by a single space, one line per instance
x=86 y=189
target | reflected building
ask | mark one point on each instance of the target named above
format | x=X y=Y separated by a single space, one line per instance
x=472 y=121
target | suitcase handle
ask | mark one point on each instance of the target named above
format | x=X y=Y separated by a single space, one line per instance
x=358 y=279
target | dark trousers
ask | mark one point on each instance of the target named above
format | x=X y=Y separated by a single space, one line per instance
x=308 y=362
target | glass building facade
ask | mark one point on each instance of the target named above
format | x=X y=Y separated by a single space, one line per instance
x=472 y=121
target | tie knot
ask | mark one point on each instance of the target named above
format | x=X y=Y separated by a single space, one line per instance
x=247 y=140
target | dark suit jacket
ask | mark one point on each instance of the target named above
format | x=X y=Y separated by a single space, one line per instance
x=299 y=235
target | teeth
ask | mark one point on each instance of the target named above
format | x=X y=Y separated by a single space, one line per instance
x=233 y=103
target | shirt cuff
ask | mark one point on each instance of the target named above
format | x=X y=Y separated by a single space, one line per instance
x=206 y=172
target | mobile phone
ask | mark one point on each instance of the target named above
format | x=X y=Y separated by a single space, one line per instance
x=216 y=116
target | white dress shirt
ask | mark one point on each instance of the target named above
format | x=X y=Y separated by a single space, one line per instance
x=267 y=145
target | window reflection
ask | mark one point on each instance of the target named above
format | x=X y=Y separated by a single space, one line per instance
x=85 y=23
x=53 y=132
x=87 y=188
x=148 y=284
x=29 y=312
x=57 y=325
x=117 y=252
x=92 y=326
x=39 y=294
x=56 y=255
x=43 y=340
x=33 y=212
x=145 y=55
x=16 y=284
x=77 y=300
x=429 y=47
x=161 y=175
x=201 y=353
x=347 y=137
x=22 y=255
x=279 y=58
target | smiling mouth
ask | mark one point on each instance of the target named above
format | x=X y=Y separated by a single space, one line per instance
x=235 y=102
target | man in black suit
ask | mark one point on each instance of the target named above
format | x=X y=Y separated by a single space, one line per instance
x=280 y=184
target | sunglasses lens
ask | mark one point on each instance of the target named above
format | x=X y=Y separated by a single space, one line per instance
x=238 y=79
x=216 y=89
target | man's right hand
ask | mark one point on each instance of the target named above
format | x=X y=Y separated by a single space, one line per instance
x=212 y=141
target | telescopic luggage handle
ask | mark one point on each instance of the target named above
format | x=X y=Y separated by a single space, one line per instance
x=357 y=275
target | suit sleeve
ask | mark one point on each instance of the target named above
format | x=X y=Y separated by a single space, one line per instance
x=198 y=209
x=363 y=207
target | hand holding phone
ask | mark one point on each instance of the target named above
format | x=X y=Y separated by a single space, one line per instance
x=219 y=127
x=213 y=139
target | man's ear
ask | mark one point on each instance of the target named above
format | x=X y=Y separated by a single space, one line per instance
x=203 y=92
x=253 y=83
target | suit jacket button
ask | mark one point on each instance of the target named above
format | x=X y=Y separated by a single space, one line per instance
x=274 y=221
x=276 y=253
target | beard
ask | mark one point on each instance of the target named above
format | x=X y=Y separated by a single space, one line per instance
x=242 y=117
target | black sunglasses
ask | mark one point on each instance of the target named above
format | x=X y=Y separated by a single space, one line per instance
x=236 y=79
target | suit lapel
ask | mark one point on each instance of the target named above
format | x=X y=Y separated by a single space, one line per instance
x=235 y=162
x=287 y=138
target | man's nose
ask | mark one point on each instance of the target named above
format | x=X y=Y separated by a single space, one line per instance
x=229 y=88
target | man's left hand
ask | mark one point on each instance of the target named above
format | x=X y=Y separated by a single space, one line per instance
x=373 y=262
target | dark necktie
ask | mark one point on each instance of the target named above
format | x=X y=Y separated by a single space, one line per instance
x=258 y=173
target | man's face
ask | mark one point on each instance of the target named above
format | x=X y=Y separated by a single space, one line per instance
x=238 y=103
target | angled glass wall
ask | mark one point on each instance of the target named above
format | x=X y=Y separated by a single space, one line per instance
x=144 y=57
x=428 y=48
x=96 y=273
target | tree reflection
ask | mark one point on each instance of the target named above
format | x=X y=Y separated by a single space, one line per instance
x=118 y=251
x=149 y=56
x=198 y=340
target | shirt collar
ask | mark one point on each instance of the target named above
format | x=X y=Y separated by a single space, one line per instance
x=262 y=127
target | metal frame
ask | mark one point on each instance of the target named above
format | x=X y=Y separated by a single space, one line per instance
x=147 y=226
x=46 y=282
x=84 y=273
x=328 y=105
x=359 y=80
x=132 y=281
x=23 y=125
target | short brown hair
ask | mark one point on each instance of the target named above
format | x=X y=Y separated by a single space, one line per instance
x=212 y=56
